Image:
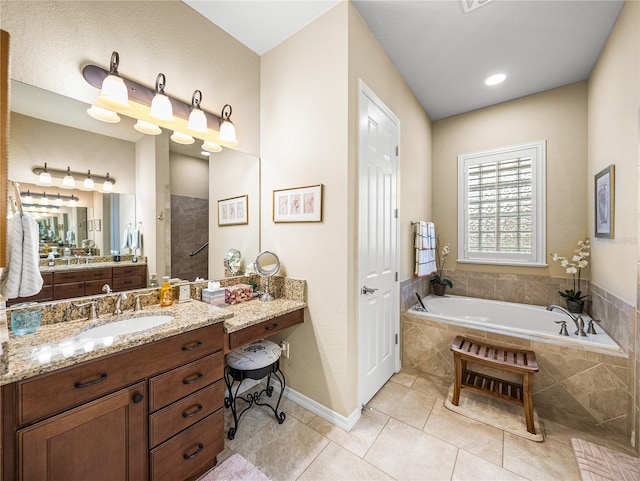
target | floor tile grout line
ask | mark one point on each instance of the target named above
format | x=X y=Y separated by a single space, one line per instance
x=317 y=456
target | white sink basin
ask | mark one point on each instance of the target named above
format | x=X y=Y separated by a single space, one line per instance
x=128 y=326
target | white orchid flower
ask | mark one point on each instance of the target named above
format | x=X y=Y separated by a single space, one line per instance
x=564 y=263
x=582 y=264
x=572 y=270
x=576 y=258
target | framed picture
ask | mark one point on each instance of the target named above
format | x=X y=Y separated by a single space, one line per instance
x=604 y=195
x=90 y=225
x=301 y=204
x=98 y=224
x=233 y=211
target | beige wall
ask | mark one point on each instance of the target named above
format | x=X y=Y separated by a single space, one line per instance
x=189 y=175
x=614 y=88
x=558 y=116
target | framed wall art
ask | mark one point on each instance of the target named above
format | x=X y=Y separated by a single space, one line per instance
x=604 y=195
x=300 y=204
x=233 y=211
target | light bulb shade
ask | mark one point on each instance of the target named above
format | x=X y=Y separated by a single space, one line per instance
x=147 y=128
x=58 y=200
x=73 y=202
x=228 y=133
x=104 y=115
x=114 y=92
x=211 y=146
x=28 y=199
x=107 y=186
x=69 y=182
x=180 y=138
x=197 y=121
x=88 y=181
x=45 y=178
x=44 y=200
x=161 y=108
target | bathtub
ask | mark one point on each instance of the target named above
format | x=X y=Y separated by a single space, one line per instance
x=522 y=320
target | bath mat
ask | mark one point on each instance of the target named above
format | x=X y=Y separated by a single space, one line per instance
x=234 y=468
x=495 y=412
x=597 y=463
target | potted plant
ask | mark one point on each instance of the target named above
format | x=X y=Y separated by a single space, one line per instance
x=574 y=297
x=439 y=283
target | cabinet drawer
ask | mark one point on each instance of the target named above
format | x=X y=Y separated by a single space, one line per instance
x=125 y=283
x=191 y=452
x=55 y=392
x=92 y=288
x=65 y=291
x=180 y=382
x=264 y=329
x=182 y=414
x=126 y=271
x=98 y=273
x=64 y=277
x=47 y=278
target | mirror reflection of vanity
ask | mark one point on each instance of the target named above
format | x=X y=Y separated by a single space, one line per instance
x=47 y=127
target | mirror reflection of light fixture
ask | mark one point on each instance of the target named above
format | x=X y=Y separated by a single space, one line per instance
x=44 y=200
x=227 y=130
x=88 y=181
x=45 y=177
x=28 y=199
x=73 y=201
x=197 y=118
x=58 y=200
x=147 y=127
x=160 y=104
x=211 y=146
x=69 y=182
x=180 y=138
x=114 y=91
x=107 y=186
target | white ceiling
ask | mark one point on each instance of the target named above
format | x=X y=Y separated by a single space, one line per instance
x=443 y=53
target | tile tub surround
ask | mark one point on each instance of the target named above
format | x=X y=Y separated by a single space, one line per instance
x=574 y=387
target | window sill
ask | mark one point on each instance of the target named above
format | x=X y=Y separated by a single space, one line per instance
x=498 y=262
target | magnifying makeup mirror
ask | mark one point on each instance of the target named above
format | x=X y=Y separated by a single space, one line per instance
x=267 y=264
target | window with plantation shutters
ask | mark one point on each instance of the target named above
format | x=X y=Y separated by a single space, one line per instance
x=501 y=206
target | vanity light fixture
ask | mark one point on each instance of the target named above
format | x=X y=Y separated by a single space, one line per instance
x=68 y=182
x=45 y=177
x=107 y=186
x=114 y=91
x=28 y=199
x=211 y=146
x=227 y=130
x=197 y=118
x=73 y=201
x=154 y=110
x=58 y=200
x=495 y=79
x=44 y=200
x=88 y=181
x=161 y=105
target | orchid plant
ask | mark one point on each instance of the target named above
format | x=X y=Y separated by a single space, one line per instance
x=574 y=267
x=441 y=258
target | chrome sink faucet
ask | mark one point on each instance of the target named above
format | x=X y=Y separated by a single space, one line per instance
x=119 y=298
x=93 y=315
x=578 y=321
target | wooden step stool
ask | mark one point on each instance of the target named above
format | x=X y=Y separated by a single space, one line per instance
x=503 y=359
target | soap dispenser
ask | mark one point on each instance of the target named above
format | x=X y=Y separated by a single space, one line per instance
x=166 y=292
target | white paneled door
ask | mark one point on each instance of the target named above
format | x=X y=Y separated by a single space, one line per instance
x=378 y=246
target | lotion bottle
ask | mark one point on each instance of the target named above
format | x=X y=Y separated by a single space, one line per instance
x=166 y=292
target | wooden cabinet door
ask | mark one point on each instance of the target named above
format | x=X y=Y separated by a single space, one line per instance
x=104 y=440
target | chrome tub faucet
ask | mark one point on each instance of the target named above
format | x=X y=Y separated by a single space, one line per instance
x=578 y=321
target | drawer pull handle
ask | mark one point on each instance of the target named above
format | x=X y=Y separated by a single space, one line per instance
x=192 y=413
x=198 y=451
x=195 y=378
x=102 y=377
x=193 y=346
x=138 y=398
x=271 y=327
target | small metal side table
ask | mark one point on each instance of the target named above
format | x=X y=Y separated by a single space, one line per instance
x=233 y=375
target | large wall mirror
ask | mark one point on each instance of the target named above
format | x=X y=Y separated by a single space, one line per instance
x=179 y=222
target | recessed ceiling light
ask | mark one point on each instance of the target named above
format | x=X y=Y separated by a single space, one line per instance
x=495 y=79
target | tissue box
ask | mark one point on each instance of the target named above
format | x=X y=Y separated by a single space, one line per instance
x=238 y=293
x=215 y=297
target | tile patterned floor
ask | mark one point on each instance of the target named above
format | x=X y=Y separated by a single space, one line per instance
x=405 y=433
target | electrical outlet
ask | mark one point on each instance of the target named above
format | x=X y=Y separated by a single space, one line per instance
x=284 y=347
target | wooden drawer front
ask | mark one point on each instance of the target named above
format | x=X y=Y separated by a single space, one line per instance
x=190 y=453
x=65 y=291
x=64 y=277
x=92 y=288
x=55 y=392
x=125 y=283
x=264 y=329
x=98 y=273
x=127 y=271
x=182 y=414
x=46 y=294
x=181 y=382
x=47 y=278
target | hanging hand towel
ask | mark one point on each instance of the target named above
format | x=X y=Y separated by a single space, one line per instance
x=135 y=239
x=126 y=238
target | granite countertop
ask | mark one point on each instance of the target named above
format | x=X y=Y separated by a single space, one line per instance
x=91 y=265
x=43 y=350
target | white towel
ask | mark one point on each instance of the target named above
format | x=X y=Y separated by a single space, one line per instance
x=425 y=245
x=21 y=277
x=126 y=238
x=135 y=239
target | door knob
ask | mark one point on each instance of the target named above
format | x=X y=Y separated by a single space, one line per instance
x=368 y=290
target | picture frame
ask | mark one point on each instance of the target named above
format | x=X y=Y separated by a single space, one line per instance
x=90 y=225
x=97 y=223
x=604 y=197
x=298 y=204
x=233 y=211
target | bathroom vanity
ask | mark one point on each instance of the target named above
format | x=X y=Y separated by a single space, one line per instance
x=148 y=406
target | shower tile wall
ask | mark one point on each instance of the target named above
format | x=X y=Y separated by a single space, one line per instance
x=189 y=230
